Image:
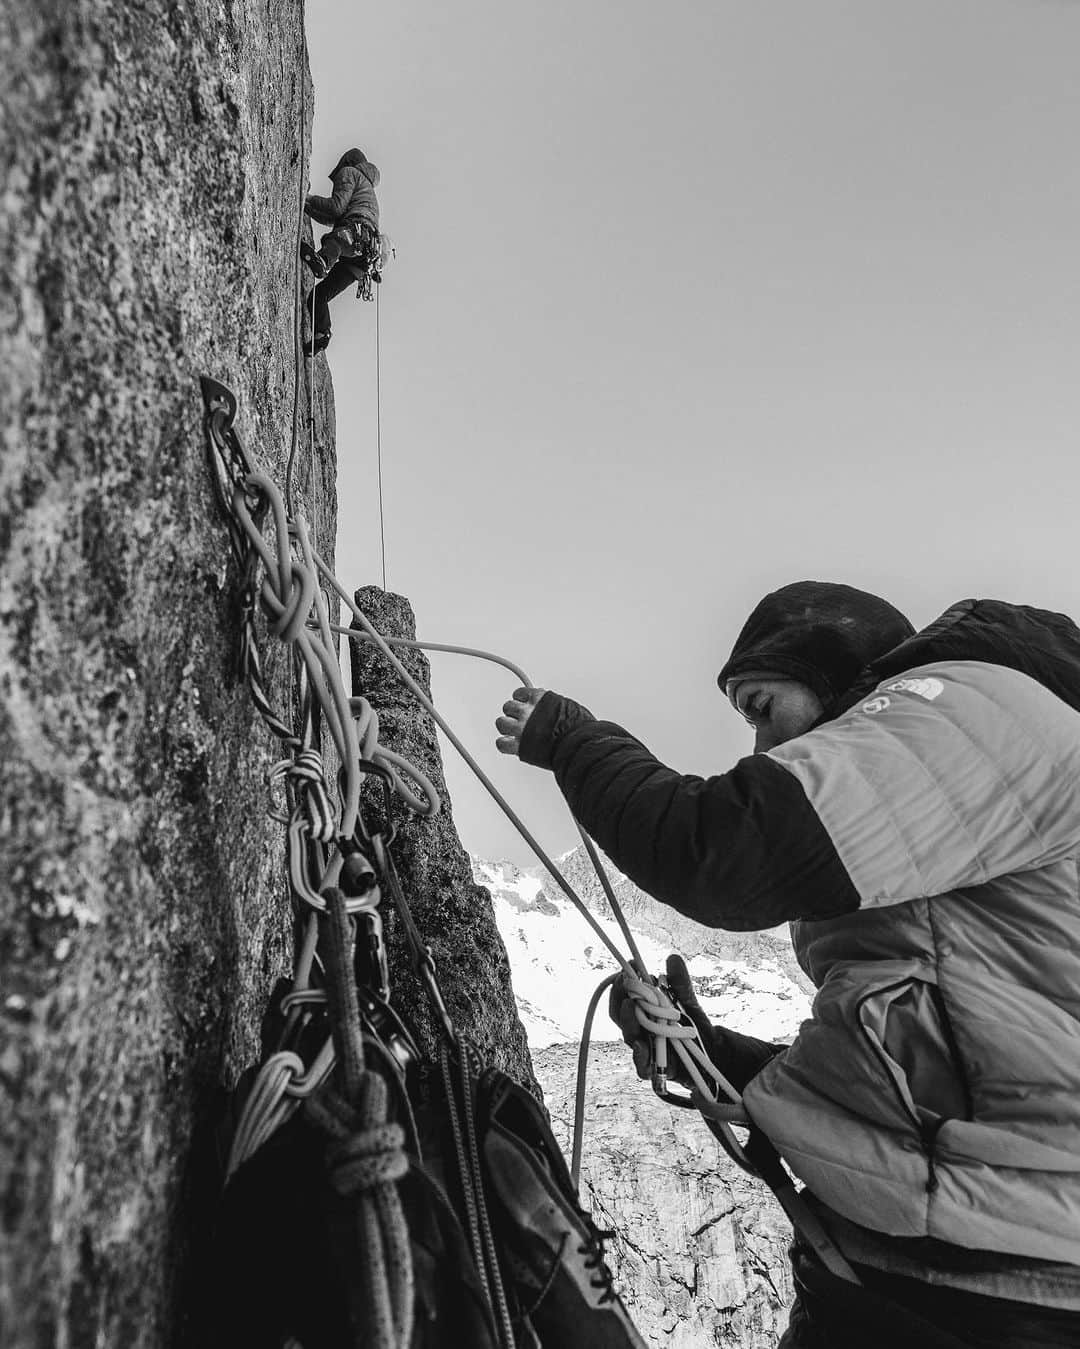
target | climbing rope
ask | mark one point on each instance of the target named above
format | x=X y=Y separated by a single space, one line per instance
x=290 y=591
x=311 y=422
x=298 y=342
x=324 y=842
x=292 y=599
x=384 y=644
x=378 y=430
x=366 y=1155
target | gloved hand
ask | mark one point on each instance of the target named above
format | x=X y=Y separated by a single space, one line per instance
x=739 y=1057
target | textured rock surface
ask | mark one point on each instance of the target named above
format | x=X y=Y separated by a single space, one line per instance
x=152 y=166
x=700 y=1255
x=453 y=913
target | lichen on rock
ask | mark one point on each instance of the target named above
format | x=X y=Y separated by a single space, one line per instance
x=148 y=226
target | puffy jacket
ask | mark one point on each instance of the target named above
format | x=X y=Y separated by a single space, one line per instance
x=924 y=845
x=355 y=179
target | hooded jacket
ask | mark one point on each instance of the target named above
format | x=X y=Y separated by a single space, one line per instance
x=923 y=843
x=355 y=179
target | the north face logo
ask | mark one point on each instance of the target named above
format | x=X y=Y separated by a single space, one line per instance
x=928 y=687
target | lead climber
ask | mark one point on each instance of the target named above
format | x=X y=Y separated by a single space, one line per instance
x=912 y=808
x=349 y=252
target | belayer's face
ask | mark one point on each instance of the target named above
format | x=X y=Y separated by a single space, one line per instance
x=778 y=709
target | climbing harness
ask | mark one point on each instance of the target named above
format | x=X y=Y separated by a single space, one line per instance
x=369 y=255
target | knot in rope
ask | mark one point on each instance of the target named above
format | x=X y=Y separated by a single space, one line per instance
x=294 y=590
x=364 y=1149
x=661 y=1018
x=656 y=1013
x=367 y=1159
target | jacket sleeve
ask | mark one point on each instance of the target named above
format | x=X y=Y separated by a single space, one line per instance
x=743 y=850
x=328 y=210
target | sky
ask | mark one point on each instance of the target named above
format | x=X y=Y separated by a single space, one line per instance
x=691 y=301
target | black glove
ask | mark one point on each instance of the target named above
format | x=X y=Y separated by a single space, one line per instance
x=739 y=1057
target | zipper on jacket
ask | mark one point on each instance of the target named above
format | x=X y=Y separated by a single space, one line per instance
x=937 y=997
x=879 y=1052
x=928 y=1134
x=927 y=1131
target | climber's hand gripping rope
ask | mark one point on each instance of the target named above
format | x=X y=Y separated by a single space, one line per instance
x=516 y=712
x=670 y=1036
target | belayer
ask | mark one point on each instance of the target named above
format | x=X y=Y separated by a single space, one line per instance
x=912 y=808
x=349 y=251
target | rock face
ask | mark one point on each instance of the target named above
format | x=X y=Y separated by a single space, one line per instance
x=700 y=1251
x=152 y=165
x=453 y=913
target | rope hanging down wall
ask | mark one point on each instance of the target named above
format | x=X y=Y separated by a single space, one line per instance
x=340 y=1053
x=338 y=868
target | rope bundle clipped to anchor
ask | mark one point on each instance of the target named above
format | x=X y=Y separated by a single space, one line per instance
x=292 y=598
x=328 y=851
x=284 y=576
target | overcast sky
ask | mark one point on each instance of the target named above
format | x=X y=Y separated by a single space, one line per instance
x=691 y=301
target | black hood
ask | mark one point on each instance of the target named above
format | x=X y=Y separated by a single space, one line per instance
x=356 y=159
x=819 y=632
x=1036 y=642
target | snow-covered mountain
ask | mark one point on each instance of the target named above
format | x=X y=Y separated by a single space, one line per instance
x=748 y=981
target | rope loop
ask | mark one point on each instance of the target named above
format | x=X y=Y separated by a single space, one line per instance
x=428 y=803
x=293 y=591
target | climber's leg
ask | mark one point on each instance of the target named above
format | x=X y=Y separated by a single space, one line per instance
x=338 y=280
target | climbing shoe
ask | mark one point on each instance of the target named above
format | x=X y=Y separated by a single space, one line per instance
x=316 y=343
x=552 y=1253
x=314 y=263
